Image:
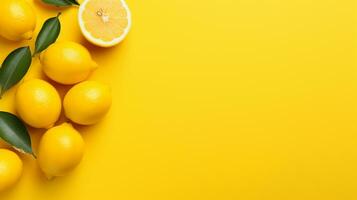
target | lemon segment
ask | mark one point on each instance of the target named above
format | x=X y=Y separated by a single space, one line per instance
x=104 y=22
x=10 y=169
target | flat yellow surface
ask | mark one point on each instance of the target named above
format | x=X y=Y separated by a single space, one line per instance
x=217 y=99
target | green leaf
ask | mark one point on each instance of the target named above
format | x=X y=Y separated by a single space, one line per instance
x=61 y=2
x=14 y=132
x=48 y=34
x=74 y=2
x=14 y=68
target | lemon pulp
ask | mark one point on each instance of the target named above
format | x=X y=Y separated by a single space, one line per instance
x=104 y=22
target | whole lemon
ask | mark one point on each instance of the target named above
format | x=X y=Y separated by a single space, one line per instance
x=38 y=103
x=17 y=21
x=60 y=150
x=67 y=62
x=87 y=102
x=10 y=169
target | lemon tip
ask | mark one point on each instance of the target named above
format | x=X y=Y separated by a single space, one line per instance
x=27 y=36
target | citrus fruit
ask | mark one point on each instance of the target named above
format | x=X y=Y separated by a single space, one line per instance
x=10 y=169
x=67 y=62
x=104 y=22
x=87 y=102
x=60 y=150
x=17 y=21
x=38 y=103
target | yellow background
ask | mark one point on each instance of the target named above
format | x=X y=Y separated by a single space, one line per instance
x=216 y=99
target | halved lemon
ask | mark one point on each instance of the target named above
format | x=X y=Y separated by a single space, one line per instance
x=104 y=22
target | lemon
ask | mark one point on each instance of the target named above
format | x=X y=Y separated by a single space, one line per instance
x=10 y=169
x=60 y=150
x=67 y=62
x=87 y=102
x=38 y=103
x=104 y=22
x=17 y=21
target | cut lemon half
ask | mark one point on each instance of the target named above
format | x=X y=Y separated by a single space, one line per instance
x=104 y=22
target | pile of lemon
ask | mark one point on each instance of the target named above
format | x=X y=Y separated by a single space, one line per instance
x=38 y=103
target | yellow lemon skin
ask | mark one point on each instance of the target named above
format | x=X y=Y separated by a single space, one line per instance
x=17 y=21
x=60 y=150
x=10 y=169
x=87 y=102
x=38 y=103
x=67 y=63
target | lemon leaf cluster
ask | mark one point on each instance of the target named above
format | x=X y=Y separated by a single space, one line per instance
x=17 y=63
x=13 y=69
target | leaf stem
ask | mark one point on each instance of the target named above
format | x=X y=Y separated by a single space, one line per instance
x=1 y=91
x=34 y=155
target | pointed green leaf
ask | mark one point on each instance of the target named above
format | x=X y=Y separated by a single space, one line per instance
x=14 y=68
x=14 y=132
x=61 y=2
x=48 y=34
